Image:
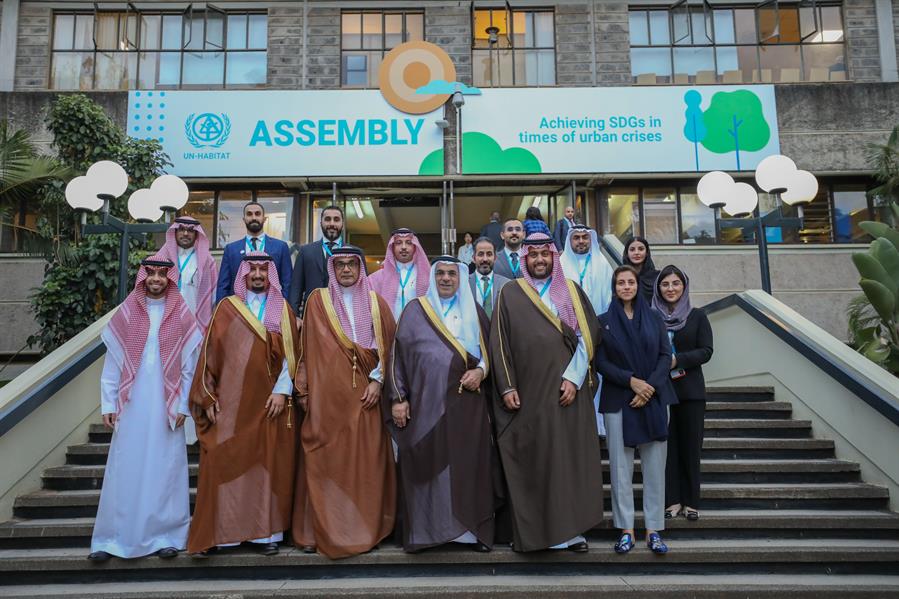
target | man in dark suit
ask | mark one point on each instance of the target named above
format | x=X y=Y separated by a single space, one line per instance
x=508 y=259
x=493 y=231
x=255 y=241
x=311 y=266
x=560 y=234
x=484 y=283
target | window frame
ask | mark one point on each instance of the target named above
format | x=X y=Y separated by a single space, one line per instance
x=512 y=48
x=803 y=44
x=829 y=187
x=382 y=48
x=156 y=47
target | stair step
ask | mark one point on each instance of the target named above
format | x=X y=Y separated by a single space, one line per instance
x=83 y=503
x=713 y=448
x=748 y=409
x=717 y=586
x=687 y=556
x=721 y=523
x=739 y=394
x=90 y=476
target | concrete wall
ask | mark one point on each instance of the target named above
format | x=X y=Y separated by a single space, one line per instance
x=826 y=127
x=815 y=281
x=33 y=48
x=862 y=47
x=449 y=26
x=18 y=279
x=749 y=354
x=285 y=49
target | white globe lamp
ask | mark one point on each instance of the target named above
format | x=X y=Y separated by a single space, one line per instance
x=143 y=206
x=171 y=192
x=774 y=173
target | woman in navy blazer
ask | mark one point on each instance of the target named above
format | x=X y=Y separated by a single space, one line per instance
x=634 y=360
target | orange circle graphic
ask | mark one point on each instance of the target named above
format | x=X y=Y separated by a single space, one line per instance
x=410 y=66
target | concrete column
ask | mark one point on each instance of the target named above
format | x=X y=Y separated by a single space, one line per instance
x=9 y=33
x=886 y=40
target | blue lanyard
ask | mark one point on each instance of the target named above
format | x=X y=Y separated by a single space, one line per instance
x=671 y=341
x=517 y=267
x=546 y=286
x=486 y=293
x=261 y=247
x=328 y=250
x=183 y=265
x=450 y=307
x=261 y=309
x=584 y=271
x=403 y=284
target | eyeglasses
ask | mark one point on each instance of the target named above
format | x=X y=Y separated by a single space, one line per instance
x=519 y=229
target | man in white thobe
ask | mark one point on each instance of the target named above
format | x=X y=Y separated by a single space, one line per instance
x=404 y=274
x=583 y=263
x=152 y=346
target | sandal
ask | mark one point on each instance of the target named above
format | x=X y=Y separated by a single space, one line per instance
x=691 y=514
x=671 y=514
x=656 y=545
x=625 y=543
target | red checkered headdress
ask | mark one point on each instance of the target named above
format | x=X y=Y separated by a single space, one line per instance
x=558 y=288
x=206 y=268
x=274 y=304
x=361 y=299
x=130 y=327
x=386 y=281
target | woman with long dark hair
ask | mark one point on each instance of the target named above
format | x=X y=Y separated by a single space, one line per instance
x=634 y=359
x=690 y=334
x=638 y=255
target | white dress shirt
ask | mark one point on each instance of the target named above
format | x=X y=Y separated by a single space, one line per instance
x=188 y=281
x=284 y=385
x=576 y=371
x=403 y=270
x=453 y=322
x=376 y=374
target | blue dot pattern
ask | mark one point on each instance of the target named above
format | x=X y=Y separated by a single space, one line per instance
x=143 y=108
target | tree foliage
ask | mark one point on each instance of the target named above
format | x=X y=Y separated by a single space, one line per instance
x=80 y=287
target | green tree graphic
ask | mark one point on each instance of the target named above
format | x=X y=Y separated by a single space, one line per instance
x=735 y=121
x=481 y=154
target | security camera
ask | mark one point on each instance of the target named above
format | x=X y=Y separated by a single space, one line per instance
x=458 y=99
x=442 y=123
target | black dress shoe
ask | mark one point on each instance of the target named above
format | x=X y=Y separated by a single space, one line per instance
x=309 y=549
x=580 y=547
x=99 y=556
x=481 y=547
x=167 y=553
x=269 y=549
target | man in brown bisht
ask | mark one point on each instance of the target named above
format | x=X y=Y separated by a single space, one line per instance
x=541 y=346
x=345 y=499
x=240 y=402
x=438 y=408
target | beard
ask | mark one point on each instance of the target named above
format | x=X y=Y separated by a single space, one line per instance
x=331 y=234
x=254 y=226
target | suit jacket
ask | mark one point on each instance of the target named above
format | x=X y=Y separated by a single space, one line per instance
x=503 y=267
x=474 y=280
x=693 y=345
x=310 y=273
x=234 y=253
x=492 y=231
x=560 y=234
x=612 y=363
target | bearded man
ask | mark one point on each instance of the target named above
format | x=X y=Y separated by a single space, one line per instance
x=437 y=405
x=240 y=400
x=346 y=339
x=152 y=343
x=404 y=274
x=545 y=422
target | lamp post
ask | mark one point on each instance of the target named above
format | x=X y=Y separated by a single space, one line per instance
x=104 y=182
x=776 y=175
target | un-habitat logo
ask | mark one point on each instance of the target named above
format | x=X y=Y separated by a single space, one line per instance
x=207 y=130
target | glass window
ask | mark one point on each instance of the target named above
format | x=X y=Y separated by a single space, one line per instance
x=697 y=219
x=850 y=207
x=737 y=45
x=522 y=51
x=230 y=216
x=365 y=38
x=278 y=213
x=624 y=213
x=660 y=215
x=147 y=50
x=201 y=206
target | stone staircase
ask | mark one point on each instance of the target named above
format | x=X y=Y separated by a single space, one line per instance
x=781 y=517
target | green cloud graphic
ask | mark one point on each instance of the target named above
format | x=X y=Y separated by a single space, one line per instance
x=482 y=155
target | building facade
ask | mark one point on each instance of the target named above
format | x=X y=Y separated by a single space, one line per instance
x=827 y=69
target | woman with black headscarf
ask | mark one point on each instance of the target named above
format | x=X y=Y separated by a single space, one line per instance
x=691 y=345
x=638 y=255
x=634 y=359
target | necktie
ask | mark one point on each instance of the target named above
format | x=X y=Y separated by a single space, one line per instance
x=515 y=263
x=488 y=297
x=331 y=247
x=253 y=242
